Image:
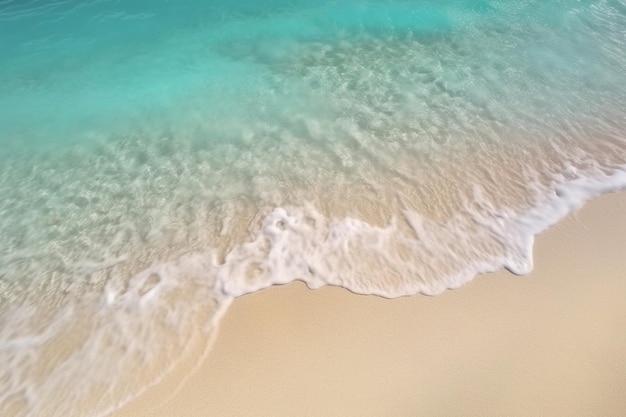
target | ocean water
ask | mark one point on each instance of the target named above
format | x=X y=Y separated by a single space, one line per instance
x=159 y=158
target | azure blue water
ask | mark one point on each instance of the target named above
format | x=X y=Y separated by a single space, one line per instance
x=159 y=158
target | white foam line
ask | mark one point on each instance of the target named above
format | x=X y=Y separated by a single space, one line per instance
x=291 y=247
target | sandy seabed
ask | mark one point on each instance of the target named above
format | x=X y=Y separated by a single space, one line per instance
x=551 y=343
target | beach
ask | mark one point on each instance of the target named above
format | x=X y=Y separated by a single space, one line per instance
x=550 y=343
x=193 y=195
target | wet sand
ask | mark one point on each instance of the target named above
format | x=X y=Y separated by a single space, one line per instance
x=552 y=343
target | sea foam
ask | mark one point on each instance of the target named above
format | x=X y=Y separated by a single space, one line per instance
x=300 y=243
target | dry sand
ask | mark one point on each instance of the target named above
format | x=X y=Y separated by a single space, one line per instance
x=552 y=343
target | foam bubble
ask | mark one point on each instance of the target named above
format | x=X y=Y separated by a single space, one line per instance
x=300 y=243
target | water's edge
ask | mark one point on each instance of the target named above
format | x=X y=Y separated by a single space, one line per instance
x=566 y=199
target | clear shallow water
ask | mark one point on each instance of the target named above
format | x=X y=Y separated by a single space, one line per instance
x=157 y=159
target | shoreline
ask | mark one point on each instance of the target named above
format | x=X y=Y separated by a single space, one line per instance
x=547 y=343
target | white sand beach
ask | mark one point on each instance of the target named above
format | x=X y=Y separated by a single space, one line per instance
x=551 y=343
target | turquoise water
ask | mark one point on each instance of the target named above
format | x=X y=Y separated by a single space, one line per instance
x=158 y=159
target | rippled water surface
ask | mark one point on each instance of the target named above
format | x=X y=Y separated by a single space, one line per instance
x=159 y=158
